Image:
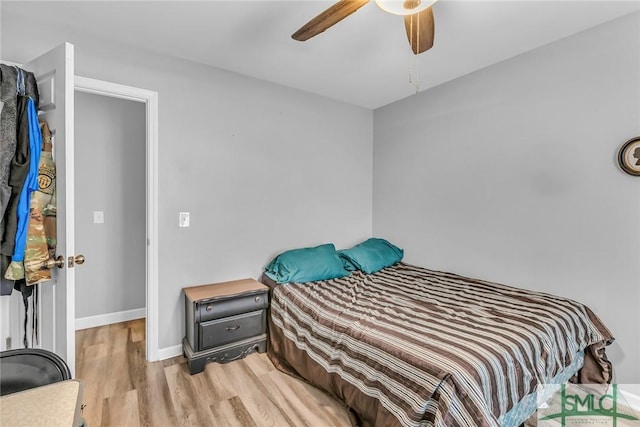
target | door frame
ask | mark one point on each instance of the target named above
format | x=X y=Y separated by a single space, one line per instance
x=150 y=99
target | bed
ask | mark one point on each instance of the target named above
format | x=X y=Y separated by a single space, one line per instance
x=408 y=346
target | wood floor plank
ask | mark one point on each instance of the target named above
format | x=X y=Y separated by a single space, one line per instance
x=290 y=403
x=137 y=330
x=101 y=334
x=294 y=396
x=263 y=410
x=231 y=413
x=94 y=351
x=92 y=398
x=257 y=399
x=116 y=379
x=322 y=402
x=247 y=393
x=154 y=398
x=88 y=336
x=240 y=369
x=259 y=363
x=121 y=410
x=100 y=367
x=221 y=382
x=144 y=379
x=118 y=338
x=88 y=359
x=189 y=394
x=81 y=341
x=182 y=397
x=202 y=386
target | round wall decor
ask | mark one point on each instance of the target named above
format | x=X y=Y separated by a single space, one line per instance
x=629 y=156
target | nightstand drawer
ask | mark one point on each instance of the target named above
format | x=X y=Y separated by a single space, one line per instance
x=215 y=309
x=229 y=329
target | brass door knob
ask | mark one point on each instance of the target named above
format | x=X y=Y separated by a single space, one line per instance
x=73 y=260
x=53 y=262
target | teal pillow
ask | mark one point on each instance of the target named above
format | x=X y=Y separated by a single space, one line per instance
x=346 y=263
x=306 y=265
x=372 y=255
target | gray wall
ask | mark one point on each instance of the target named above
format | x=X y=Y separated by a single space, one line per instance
x=262 y=168
x=110 y=177
x=509 y=174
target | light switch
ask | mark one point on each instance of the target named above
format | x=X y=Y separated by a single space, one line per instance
x=98 y=217
x=183 y=221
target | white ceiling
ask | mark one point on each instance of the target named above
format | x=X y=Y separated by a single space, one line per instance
x=363 y=60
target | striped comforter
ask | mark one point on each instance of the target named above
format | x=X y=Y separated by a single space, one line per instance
x=426 y=347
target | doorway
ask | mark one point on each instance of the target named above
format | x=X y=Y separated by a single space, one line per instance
x=110 y=218
x=129 y=98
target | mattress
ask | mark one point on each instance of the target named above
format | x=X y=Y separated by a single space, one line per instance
x=408 y=346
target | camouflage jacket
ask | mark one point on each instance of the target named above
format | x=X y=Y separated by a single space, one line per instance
x=41 y=234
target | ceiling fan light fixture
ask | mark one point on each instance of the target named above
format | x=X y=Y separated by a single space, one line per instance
x=404 y=7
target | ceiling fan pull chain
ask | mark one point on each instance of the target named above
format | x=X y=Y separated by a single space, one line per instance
x=416 y=55
x=410 y=44
x=417 y=79
x=414 y=71
x=417 y=76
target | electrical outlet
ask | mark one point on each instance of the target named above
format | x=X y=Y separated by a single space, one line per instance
x=98 y=217
x=183 y=220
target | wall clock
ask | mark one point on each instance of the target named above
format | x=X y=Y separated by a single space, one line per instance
x=629 y=156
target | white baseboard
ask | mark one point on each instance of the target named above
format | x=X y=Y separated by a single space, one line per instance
x=169 y=352
x=109 y=318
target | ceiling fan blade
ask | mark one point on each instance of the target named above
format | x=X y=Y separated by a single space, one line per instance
x=326 y=19
x=420 y=30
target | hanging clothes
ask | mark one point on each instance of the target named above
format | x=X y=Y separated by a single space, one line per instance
x=14 y=156
x=41 y=237
x=8 y=124
x=15 y=271
x=19 y=168
x=8 y=133
x=20 y=154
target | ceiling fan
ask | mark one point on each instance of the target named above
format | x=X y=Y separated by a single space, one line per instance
x=418 y=20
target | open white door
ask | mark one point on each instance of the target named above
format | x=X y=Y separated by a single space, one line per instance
x=54 y=72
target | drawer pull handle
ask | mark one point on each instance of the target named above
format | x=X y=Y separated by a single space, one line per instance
x=209 y=308
x=233 y=328
x=257 y=299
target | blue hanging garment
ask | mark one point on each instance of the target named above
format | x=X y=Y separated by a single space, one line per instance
x=16 y=268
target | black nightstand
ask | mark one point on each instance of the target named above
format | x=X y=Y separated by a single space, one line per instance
x=224 y=322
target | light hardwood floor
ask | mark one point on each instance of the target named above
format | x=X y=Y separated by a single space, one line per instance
x=121 y=389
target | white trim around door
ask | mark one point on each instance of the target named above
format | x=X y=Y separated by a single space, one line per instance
x=150 y=99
